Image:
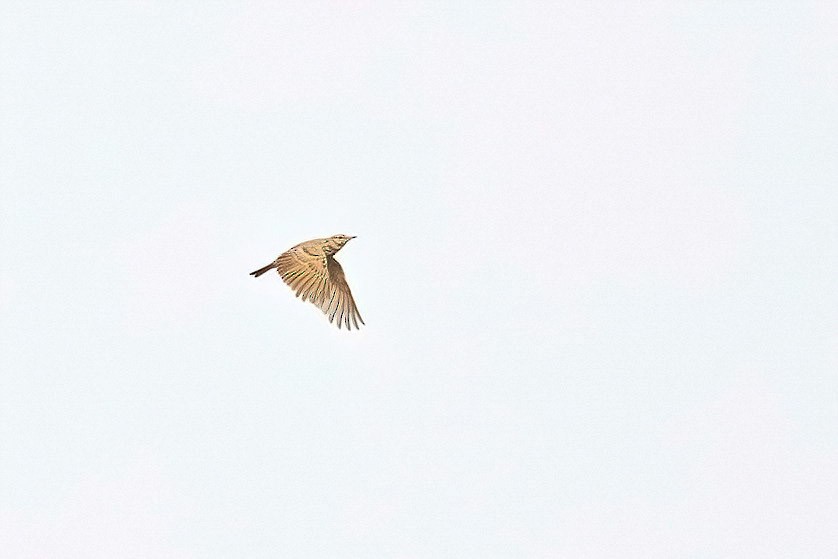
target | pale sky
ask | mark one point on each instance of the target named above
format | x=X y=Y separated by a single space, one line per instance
x=597 y=257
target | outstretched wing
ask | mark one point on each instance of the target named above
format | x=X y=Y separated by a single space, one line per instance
x=304 y=271
x=338 y=302
x=320 y=280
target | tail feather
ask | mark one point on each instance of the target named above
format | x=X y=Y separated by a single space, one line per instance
x=261 y=271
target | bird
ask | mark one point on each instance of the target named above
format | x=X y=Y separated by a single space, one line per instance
x=311 y=270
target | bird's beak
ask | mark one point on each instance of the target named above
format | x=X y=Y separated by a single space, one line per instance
x=353 y=236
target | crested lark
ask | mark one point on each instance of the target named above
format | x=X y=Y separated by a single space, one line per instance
x=311 y=270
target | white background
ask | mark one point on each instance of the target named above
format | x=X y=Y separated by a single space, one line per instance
x=597 y=256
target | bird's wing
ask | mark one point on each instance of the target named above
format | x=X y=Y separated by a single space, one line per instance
x=305 y=272
x=320 y=280
x=338 y=302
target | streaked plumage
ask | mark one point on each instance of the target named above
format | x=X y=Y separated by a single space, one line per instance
x=311 y=270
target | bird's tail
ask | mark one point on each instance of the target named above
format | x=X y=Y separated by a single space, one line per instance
x=261 y=271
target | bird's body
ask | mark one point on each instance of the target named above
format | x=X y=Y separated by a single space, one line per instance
x=311 y=270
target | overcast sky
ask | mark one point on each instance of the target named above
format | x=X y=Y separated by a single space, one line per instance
x=597 y=256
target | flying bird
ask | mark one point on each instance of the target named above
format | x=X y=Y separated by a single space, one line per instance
x=311 y=270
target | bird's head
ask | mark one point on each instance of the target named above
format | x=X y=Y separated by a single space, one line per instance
x=336 y=242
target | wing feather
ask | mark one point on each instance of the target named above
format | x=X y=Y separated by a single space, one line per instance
x=307 y=285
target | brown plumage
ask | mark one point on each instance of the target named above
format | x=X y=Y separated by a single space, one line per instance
x=311 y=270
